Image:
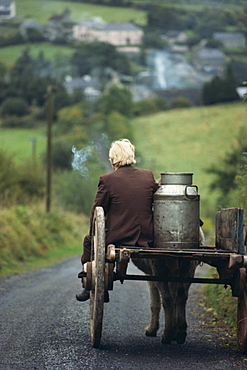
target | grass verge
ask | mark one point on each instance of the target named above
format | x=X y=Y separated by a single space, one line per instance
x=31 y=238
x=222 y=305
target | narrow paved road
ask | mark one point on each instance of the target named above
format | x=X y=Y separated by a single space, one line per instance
x=44 y=327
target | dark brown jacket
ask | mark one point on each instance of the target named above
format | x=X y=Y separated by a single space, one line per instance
x=126 y=196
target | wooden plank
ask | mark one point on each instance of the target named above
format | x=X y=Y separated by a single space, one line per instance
x=229 y=230
x=241 y=241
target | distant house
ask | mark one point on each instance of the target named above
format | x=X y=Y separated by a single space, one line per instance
x=242 y=91
x=7 y=9
x=118 y=34
x=231 y=39
x=210 y=60
x=175 y=36
x=84 y=84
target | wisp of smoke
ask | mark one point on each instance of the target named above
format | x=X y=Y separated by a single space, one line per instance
x=80 y=158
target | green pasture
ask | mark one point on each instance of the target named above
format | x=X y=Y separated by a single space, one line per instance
x=189 y=140
x=42 y=10
x=23 y=143
x=10 y=54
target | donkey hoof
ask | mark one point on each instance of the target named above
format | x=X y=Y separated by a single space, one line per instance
x=150 y=332
x=166 y=339
x=181 y=336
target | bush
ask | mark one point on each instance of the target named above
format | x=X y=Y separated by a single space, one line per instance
x=222 y=302
x=147 y=106
x=61 y=154
x=162 y=104
x=220 y=90
x=74 y=192
x=180 y=102
x=28 y=121
x=19 y=183
x=14 y=106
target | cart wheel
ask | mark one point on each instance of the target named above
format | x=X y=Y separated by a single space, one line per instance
x=242 y=312
x=98 y=271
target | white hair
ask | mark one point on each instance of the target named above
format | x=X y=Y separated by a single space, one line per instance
x=122 y=153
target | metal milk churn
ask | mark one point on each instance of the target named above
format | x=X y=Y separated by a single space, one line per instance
x=176 y=212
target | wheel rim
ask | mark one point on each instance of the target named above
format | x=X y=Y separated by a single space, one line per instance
x=97 y=292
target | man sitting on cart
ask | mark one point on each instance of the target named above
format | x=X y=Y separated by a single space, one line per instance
x=126 y=195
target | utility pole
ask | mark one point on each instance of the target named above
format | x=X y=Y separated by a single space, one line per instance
x=50 y=112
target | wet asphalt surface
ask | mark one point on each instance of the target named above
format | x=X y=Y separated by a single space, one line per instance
x=44 y=327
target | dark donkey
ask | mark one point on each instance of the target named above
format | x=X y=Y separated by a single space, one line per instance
x=172 y=295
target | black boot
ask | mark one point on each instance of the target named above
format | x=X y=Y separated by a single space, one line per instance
x=83 y=296
x=106 y=297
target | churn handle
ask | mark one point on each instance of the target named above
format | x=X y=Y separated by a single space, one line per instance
x=191 y=196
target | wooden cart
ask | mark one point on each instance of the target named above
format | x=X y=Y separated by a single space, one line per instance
x=229 y=256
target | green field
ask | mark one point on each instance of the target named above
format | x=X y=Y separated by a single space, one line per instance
x=189 y=140
x=10 y=54
x=19 y=142
x=41 y=10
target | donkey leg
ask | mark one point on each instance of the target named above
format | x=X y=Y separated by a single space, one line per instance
x=167 y=303
x=155 y=304
x=180 y=312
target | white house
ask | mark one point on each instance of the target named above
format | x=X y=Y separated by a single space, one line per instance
x=231 y=39
x=118 y=34
x=210 y=60
x=7 y=9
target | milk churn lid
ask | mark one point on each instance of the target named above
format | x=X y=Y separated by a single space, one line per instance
x=176 y=178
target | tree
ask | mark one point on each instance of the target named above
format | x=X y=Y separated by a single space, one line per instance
x=164 y=18
x=61 y=99
x=61 y=154
x=153 y=40
x=232 y=172
x=118 y=99
x=23 y=71
x=42 y=66
x=34 y=35
x=3 y=71
x=220 y=89
x=14 y=106
x=37 y=90
x=99 y=55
